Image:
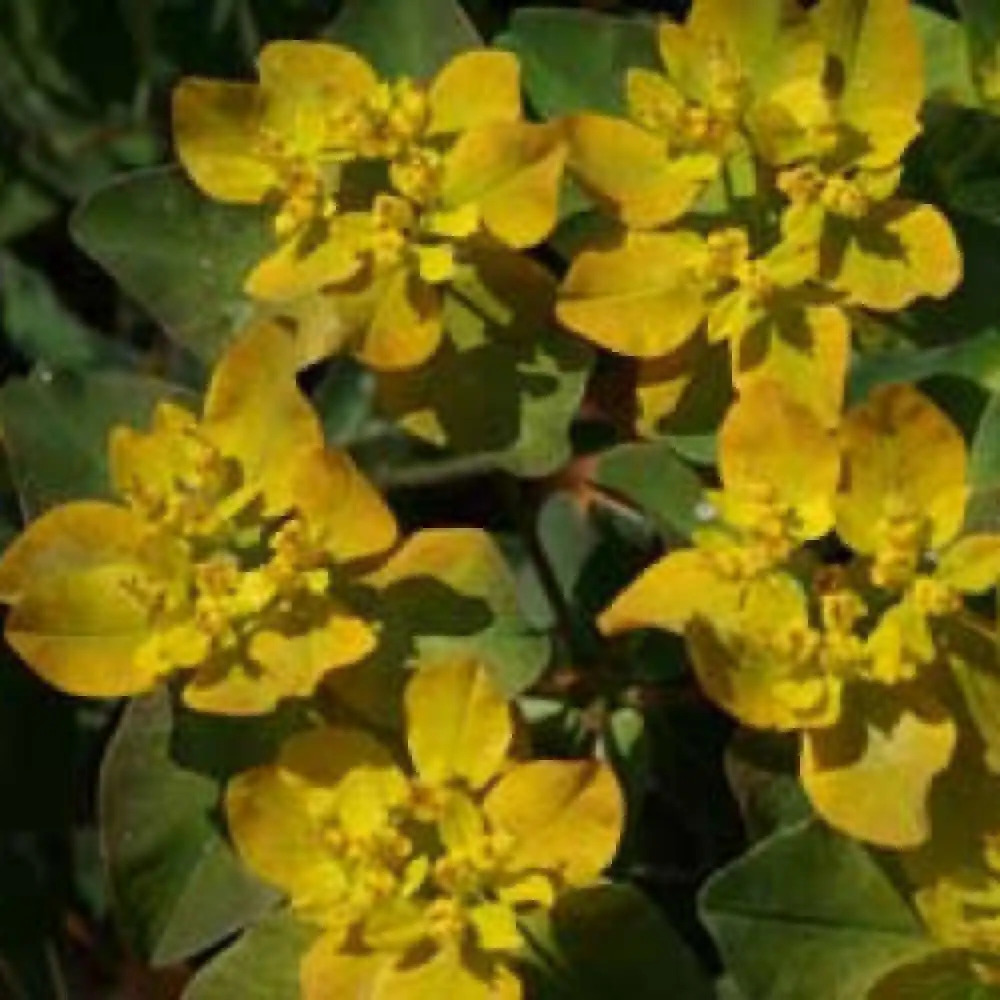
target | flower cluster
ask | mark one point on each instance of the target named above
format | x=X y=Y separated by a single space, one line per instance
x=841 y=640
x=752 y=212
x=382 y=193
x=757 y=177
x=418 y=875
x=228 y=557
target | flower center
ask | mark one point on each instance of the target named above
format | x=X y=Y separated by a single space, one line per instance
x=901 y=534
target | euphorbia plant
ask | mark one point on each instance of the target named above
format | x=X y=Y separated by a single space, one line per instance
x=641 y=325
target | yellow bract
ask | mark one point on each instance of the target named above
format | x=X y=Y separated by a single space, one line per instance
x=418 y=877
x=227 y=557
x=781 y=131
x=846 y=652
x=730 y=73
x=779 y=470
x=381 y=190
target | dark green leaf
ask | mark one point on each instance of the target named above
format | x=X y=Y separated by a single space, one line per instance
x=23 y=205
x=505 y=386
x=403 y=37
x=568 y=540
x=982 y=29
x=177 y=887
x=56 y=430
x=808 y=915
x=942 y=977
x=970 y=649
x=576 y=60
x=976 y=359
x=762 y=771
x=651 y=476
x=607 y=941
x=344 y=400
x=625 y=744
x=40 y=327
x=179 y=254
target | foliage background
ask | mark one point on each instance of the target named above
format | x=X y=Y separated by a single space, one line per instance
x=84 y=94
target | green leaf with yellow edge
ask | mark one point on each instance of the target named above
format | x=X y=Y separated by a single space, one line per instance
x=982 y=511
x=179 y=254
x=609 y=940
x=554 y=45
x=981 y=19
x=56 y=427
x=469 y=563
x=403 y=38
x=947 y=66
x=809 y=915
x=176 y=885
x=506 y=385
x=947 y=976
x=969 y=648
x=445 y=592
x=262 y=965
x=656 y=480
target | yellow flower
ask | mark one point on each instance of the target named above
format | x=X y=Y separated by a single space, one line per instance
x=845 y=653
x=282 y=141
x=495 y=192
x=746 y=619
x=227 y=556
x=418 y=876
x=460 y=162
x=732 y=73
x=882 y=251
x=902 y=507
x=648 y=296
x=779 y=469
x=956 y=874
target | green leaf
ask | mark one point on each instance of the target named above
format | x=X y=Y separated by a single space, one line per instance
x=761 y=768
x=403 y=37
x=941 y=977
x=506 y=385
x=40 y=327
x=568 y=540
x=625 y=744
x=947 y=69
x=56 y=429
x=343 y=400
x=982 y=28
x=575 y=60
x=808 y=915
x=179 y=254
x=962 y=147
x=982 y=512
x=23 y=206
x=970 y=649
x=976 y=359
x=607 y=941
x=446 y=591
x=652 y=477
x=176 y=885
x=262 y=965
